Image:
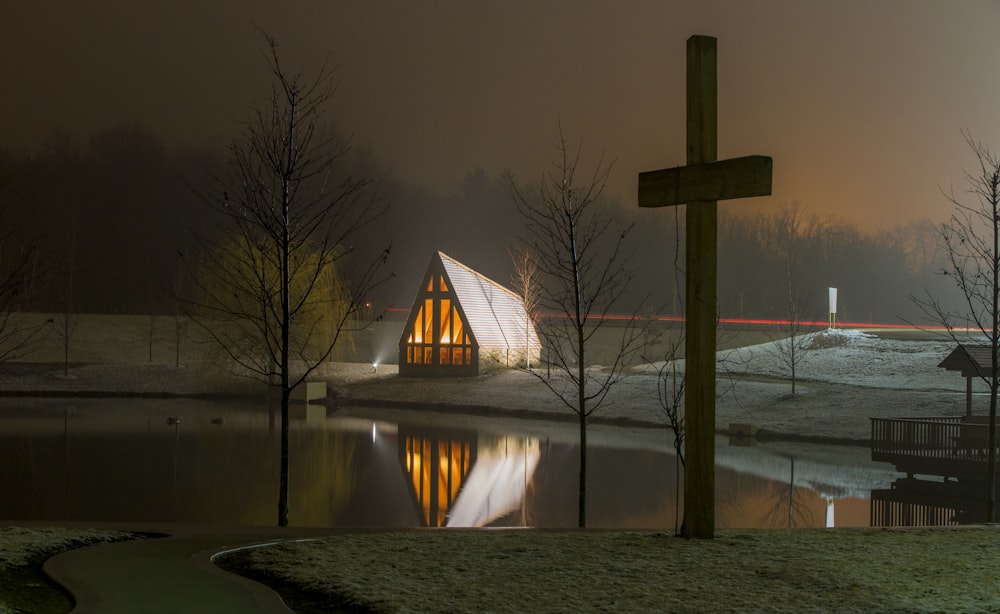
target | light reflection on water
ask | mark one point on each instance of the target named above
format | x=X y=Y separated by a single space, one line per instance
x=216 y=463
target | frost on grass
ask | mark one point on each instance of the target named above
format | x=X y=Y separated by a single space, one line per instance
x=21 y=546
x=851 y=357
x=549 y=571
x=22 y=552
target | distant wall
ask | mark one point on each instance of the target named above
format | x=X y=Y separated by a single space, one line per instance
x=98 y=338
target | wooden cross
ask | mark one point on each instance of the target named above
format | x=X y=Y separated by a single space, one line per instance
x=700 y=184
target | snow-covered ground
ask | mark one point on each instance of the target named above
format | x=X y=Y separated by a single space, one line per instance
x=852 y=357
x=843 y=378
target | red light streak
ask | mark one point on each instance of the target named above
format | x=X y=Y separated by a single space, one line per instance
x=739 y=321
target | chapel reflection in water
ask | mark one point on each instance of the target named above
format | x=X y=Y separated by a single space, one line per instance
x=464 y=479
x=437 y=464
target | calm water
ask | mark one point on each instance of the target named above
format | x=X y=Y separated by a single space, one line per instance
x=130 y=460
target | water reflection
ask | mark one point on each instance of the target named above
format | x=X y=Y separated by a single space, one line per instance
x=437 y=464
x=498 y=483
x=925 y=502
x=120 y=460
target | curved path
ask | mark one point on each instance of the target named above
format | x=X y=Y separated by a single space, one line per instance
x=169 y=574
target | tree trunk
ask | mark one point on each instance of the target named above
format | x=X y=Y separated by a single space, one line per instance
x=582 y=517
x=582 y=409
x=991 y=456
x=792 y=349
x=283 y=488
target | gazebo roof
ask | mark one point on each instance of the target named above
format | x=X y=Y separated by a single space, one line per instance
x=971 y=360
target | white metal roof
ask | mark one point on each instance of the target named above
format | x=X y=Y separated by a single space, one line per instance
x=495 y=314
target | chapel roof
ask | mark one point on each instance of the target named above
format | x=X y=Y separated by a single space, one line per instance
x=495 y=314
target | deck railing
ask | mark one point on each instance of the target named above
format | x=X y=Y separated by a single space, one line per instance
x=919 y=441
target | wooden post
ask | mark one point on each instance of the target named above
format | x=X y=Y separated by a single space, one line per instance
x=701 y=184
x=700 y=289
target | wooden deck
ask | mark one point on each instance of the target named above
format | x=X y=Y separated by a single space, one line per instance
x=952 y=447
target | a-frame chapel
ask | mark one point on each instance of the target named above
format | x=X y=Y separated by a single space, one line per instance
x=461 y=320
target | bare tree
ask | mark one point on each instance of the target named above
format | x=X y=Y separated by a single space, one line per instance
x=66 y=323
x=670 y=390
x=787 y=236
x=273 y=288
x=149 y=336
x=18 y=269
x=582 y=277
x=17 y=334
x=179 y=314
x=64 y=330
x=670 y=383
x=525 y=283
x=971 y=239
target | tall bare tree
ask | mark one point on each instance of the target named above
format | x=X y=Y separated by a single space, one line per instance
x=276 y=287
x=787 y=239
x=670 y=381
x=670 y=390
x=971 y=240
x=583 y=275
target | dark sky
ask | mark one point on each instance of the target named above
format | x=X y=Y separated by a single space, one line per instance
x=860 y=102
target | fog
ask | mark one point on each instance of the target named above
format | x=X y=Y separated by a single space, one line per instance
x=859 y=103
x=112 y=214
x=115 y=113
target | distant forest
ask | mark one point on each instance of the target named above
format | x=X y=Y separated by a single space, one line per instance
x=112 y=216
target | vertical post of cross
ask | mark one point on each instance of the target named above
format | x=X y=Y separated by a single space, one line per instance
x=700 y=287
x=700 y=184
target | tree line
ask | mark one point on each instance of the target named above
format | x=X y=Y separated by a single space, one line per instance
x=111 y=216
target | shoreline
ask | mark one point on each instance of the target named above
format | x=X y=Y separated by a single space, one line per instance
x=821 y=412
x=346 y=398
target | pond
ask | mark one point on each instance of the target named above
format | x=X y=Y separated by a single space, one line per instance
x=194 y=461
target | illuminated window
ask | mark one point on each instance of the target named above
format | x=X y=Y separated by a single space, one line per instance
x=428 y=320
x=418 y=327
x=443 y=287
x=457 y=330
x=446 y=312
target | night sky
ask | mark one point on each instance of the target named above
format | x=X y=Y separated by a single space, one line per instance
x=860 y=103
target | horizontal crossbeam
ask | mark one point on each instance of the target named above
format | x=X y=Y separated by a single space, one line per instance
x=723 y=180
